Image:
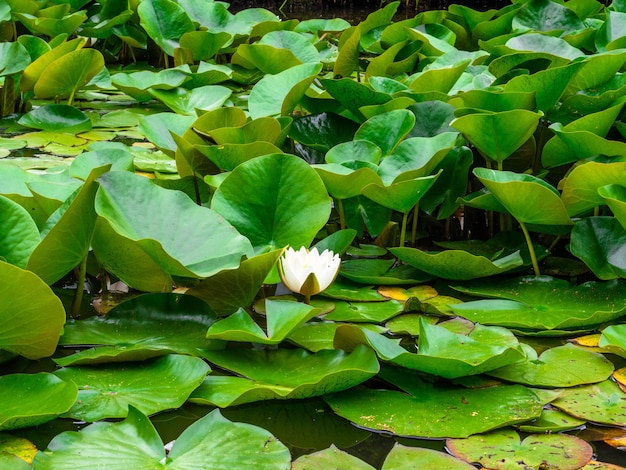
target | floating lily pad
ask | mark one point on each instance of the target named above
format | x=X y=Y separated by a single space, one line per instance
x=440 y=351
x=503 y=449
x=601 y=403
x=212 y=439
x=552 y=420
x=562 y=366
x=141 y=328
x=16 y=452
x=613 y=338
x=457 y=265
x=283 y=373
x=282 y=318
x=107 y=391
x=427 y=411
x=329 y=458
x=376 y=312
x=32 y=399
x=57 y=118
x=543 y=303
x=406 y=458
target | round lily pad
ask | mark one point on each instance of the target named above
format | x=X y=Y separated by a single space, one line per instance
x=503 y=450
x=601 y=403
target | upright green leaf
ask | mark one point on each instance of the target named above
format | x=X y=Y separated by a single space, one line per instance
x=165 y=21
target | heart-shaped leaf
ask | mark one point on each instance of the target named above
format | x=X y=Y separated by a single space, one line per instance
x=142 y=212
x=276 y=210
x=602 y=403
x=57 y=117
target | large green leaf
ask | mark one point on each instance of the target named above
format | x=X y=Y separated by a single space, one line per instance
x=498 y=135
x=107 y=391
x=34 y=71
x=211 y=443
x=66 y=237
x=457 y=265
x=562 y=366
x=204 y=98
x=230 y=290
x=543 y=302
x=181 y=237
x=31 y=322
x=580 y=188
x=283 y=373
x=19 y=234
x=136 y=84
x=165 y=22
x=546 y=15
x=425 y=412
x=285 y=202
x=279 y=94
x=387 y=129
x=57 y=117
x=526 y=197
x=503 y=449
x=14 y=58
x=32 y=399
x=615 y=197
x=141 y=328
x=328 y=458
x=601 y=243
x=402 y=195
x=67 y=74
x=282 y=318
x=601 y=403
x=440 y=351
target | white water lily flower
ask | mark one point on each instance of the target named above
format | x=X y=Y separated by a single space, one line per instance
x=308 y=272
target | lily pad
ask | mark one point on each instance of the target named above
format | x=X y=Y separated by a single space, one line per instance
x=376 y=312
x=230 y=290
x=107 y=391
x=19 y=234
x=440 y=351
x=141 y=328
x=32 y=399
x=552 y=420
x=381 y=272
x=562 y=366
x=457 y=265
x=276 y=209
x=328 y=458
x=57 y=118
x=32 y=321
x=407 y=458
x=282 y=318
x=603 y=403
x=601 y=243
x=543 y=303
x=503 y=449
x=426 y=412
x=196 y=243
x=211 y=443
x=283 y=373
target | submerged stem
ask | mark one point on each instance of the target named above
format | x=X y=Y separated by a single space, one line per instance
x=531 y=249
x=80 y=288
